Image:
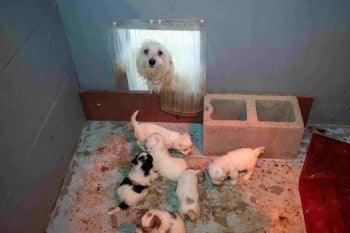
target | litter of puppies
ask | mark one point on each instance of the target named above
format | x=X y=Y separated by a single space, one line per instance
x=157 y=161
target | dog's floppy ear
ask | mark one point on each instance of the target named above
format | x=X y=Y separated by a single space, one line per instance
x=149 y=158
x=155 y=222
x=147 y=165
x=188 y=136
x=197 y=172
x=156 y=139
x=141 y=159
x=153 y=140
x=142 y=212
x=134 y=161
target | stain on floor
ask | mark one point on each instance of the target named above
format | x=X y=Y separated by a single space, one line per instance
x=268 y=202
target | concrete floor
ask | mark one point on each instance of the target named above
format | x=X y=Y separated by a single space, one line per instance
x=268 y=202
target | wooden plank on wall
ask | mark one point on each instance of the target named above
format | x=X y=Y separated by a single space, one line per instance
x=119 y=105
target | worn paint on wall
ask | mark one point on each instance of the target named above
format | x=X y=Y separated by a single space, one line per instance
x=297 y=47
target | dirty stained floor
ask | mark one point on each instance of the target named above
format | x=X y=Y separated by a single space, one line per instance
x=268 y=202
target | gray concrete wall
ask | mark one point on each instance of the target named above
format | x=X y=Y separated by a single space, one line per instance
x=286 y=46
x=40 y=112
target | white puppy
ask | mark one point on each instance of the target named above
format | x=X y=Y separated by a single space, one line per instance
x=187 y=194
x=155 y=65
x=166 y=165
x=159 y=221
x=172 y=139
x=134 y=187
x=232 y=163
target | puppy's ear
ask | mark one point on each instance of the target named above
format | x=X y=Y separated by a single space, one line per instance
x=189 y=137
x=146 y=167
x=141 y=159
x=149 y=158
x=155 y=222
x=134 y=161
x=197 y=172
x=142 y=212
x=156 y=139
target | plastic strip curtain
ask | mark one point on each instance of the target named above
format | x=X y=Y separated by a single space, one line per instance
x=184 y=39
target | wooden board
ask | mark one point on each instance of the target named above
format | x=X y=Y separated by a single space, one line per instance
x=305 y=104
x=117 y=105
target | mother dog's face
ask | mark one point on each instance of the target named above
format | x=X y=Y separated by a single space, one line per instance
x=153 y=60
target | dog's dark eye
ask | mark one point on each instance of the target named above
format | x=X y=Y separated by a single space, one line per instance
x=160 y=53
x=145 y=51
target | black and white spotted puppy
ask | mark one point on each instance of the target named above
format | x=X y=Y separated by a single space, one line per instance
x=134 y=187
x=160 y=221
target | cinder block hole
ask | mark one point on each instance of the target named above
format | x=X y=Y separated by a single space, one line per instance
x=229 y=110
x=274 y=110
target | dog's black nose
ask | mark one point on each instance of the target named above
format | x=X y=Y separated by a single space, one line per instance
x=151 y=62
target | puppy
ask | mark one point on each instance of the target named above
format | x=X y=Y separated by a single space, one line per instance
x=167 y=166
x=134 y=187
x=172 y=139
x=158 y=221
x=234 y=162
x=187 y=194
x=155 y=65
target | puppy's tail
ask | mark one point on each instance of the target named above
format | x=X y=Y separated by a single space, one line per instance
x=134 y=123
x=114 y=211
x=259 y=150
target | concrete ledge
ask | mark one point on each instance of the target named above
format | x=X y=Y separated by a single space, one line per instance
x=232 y=121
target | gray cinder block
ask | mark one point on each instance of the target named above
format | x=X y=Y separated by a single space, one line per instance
x=232 y=121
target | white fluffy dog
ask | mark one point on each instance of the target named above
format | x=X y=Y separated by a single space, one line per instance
x=172 y=139
x=187 y=194
x=155 y=65
x=232 y=163
x=166 y=165
x=134 y=187
x=159 y=221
